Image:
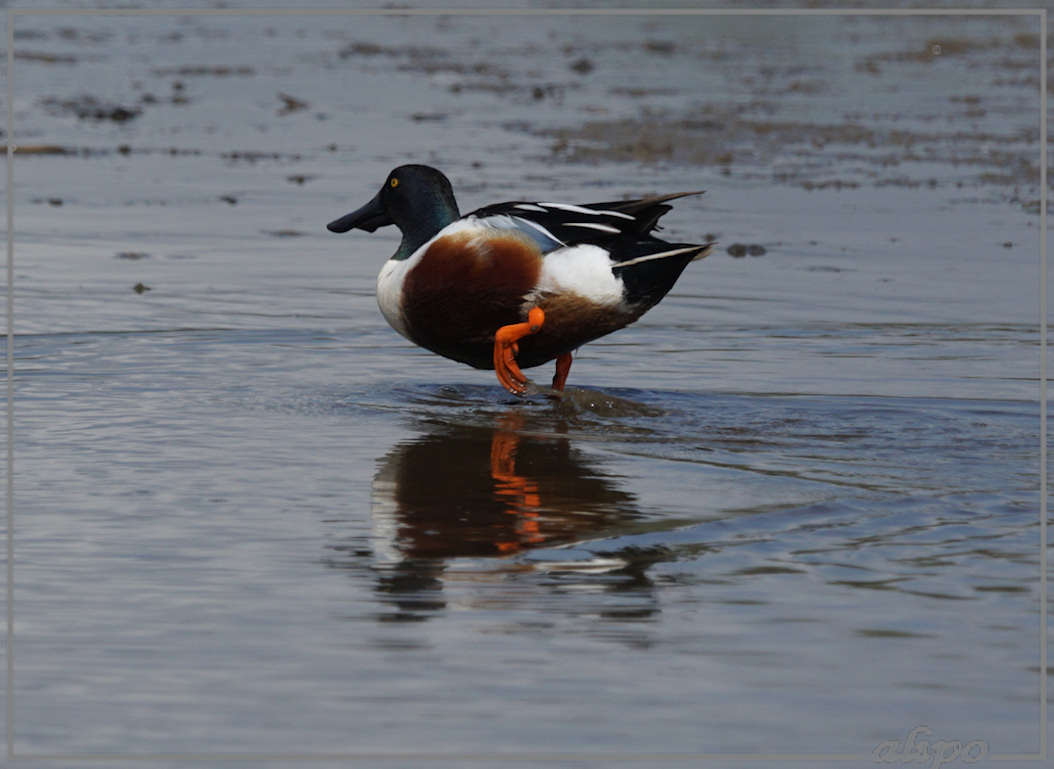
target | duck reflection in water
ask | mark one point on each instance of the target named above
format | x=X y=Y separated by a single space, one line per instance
x=477 y=491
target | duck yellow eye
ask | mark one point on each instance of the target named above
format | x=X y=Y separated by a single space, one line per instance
x=395 y=182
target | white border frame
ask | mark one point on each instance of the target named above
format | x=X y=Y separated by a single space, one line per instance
x=13 y=13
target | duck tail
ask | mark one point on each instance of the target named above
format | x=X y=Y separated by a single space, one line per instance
x=646 y=211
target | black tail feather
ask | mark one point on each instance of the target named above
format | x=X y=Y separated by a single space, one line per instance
x=652 y=271
x=647 y=211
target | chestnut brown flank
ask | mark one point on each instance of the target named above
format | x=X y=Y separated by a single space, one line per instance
x=465 y=288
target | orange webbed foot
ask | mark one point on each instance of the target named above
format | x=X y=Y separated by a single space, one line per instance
x=506 y=347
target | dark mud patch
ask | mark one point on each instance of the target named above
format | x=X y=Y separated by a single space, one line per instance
x=92 y=109
x=367 y=49
x=43 y=57
x=42 y=149
x=255 y=156
x=200 y=70
x=944 y=46
x=739 y=250
x=290 y=104
x=468 y=74
x=288 y=233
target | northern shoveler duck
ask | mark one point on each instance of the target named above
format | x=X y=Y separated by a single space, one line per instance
x=515 y=285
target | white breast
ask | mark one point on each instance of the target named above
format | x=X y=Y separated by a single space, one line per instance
x=390 y=292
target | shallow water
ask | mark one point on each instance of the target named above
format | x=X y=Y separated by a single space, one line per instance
x=793 y=510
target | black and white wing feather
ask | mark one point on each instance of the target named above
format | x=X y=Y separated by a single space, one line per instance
x=558 y=225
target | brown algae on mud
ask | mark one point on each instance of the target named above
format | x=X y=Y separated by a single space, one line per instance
x=725 y=138
x=805 y=126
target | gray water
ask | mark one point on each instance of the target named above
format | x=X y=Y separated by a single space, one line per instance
x=793 y=510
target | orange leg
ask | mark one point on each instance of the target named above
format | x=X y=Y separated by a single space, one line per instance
x=563 y=368
x=505 y=349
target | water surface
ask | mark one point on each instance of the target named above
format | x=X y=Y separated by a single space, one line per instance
x=792 y=510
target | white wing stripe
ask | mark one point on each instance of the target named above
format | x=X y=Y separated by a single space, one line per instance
x=601 y=227
x=652 y=257
x=587 y=211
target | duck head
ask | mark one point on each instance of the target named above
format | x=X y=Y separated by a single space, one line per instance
x=417 y=199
